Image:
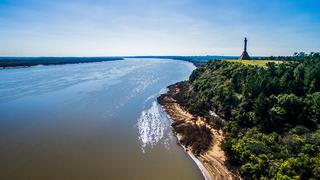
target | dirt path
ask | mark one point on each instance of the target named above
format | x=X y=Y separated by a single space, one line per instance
x=213 y=161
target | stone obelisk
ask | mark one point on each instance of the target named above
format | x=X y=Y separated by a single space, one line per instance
x=245 y=55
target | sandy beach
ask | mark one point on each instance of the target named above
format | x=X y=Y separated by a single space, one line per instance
x=212 y=162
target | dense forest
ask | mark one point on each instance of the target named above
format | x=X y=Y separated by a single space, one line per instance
x=270 y=115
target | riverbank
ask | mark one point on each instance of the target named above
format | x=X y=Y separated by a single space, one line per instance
x=22 y=62
x=200 y=140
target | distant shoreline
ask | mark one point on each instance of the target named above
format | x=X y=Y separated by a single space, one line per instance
x=23 y=62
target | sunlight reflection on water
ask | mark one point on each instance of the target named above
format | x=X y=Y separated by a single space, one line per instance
x=153 y=127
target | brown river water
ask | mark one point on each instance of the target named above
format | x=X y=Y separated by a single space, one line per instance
x=91 y=121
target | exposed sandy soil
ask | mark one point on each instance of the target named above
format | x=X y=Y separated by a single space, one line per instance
x=213 y=160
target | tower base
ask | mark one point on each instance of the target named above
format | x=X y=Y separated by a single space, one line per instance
x=245 y=56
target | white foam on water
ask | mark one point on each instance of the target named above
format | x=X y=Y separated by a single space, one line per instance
x=153 y=126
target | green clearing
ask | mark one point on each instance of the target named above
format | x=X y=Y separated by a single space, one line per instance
x=261 y=63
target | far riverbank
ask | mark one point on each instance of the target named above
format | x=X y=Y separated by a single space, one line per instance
x=20 y=62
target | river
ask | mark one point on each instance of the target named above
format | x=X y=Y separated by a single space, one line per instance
x=91 y=121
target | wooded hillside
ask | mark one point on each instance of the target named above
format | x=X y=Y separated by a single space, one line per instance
x=271 y=115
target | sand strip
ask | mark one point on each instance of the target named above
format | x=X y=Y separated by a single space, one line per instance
x=212 y=162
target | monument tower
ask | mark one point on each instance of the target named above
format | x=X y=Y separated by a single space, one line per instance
x=245 y=55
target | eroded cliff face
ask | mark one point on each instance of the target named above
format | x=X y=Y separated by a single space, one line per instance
x=196 y=135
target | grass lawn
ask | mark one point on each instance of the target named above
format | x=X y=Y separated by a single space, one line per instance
x=254 y=62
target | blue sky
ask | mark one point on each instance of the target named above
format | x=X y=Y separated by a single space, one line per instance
x=157 y=27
